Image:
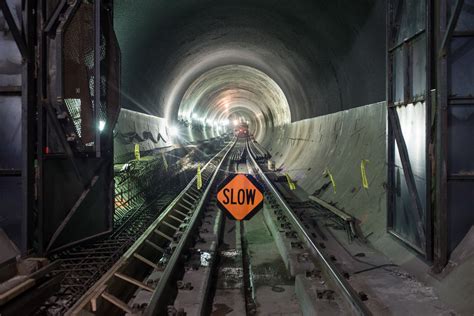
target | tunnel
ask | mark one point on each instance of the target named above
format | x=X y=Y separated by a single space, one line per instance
x=309 y=51
x=241 y=157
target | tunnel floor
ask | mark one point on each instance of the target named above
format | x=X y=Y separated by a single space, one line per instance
x=293 y=257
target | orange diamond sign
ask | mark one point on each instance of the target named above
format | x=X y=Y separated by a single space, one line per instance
x=240 y=195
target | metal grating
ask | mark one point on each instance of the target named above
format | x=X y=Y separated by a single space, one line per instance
x=74 y=108
x=79 y=74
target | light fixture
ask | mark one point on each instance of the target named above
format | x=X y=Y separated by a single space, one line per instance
x=101 y=125
x=173 y=131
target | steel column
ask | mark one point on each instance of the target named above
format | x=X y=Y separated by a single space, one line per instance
x=97 y=74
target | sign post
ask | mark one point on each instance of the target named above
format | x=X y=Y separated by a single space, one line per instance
x=240 y=195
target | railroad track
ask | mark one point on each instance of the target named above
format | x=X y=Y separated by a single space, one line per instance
x=195 y=260
x=348 y=300
x=257 y=267
x=141 y=277
x=82 y=266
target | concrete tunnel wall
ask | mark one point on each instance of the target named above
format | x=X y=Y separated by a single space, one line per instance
x=339 y=142
x=304 y=149
x=148 y=131
x=151 y=133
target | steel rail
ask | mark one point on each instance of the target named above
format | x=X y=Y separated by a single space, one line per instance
x=158 y=298
x=351 y=295
x=100 y=286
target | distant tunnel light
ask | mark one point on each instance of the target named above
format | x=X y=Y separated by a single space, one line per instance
x=194 y=116
x=173 y=131
x=101 y=125
x=236 y=122
x=225 y=122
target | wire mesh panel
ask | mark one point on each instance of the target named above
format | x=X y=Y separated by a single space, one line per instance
x=79 y=74
x=82 y=109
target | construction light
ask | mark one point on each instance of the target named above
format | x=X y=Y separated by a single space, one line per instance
x=101 y=125
x=173 y=131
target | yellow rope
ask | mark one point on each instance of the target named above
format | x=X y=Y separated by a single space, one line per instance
x=199 y=178
x=365 y=183
x=291 y=184
x=327 y=172
x=137 y=152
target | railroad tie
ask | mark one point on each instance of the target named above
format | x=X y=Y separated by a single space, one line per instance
x=152 y=244
x=133 y=281
x=117 y=302
x=146 y=261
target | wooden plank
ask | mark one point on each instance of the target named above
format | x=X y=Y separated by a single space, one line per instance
x=169 y=225
x=163 y=235
x=97 y=293
x=180 y=213
x=346 y=217
x=185 y=207
x=16 y=290
x=146 y=261
x=176 y=219
x=152 y=244
x=133 y=281
x=117 y=302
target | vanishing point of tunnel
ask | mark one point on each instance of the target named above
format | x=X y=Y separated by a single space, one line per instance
x=236 y=157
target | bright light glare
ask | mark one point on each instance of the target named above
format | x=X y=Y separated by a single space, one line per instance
x=236 y=122
x=173 y=131
x=195 y=116
x=225 y=122
x=101 y=125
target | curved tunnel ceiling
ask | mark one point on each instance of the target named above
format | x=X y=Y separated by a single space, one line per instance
x=325 y=56
x=235 y=92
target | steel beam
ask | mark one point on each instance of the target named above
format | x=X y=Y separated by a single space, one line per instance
x=428 y=132
x=440 y=225
x=453 y=21
x=54 y=19
x=408 y=172
x=20 y=41
x=97 y=74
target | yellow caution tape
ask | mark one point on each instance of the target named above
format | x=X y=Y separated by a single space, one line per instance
x=327 y=172
x=137 y=152
x=199 y=178
x=165 y=163
x=291 y=184
x=365 y=183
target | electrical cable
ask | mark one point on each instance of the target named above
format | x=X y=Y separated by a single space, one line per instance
x=373 y=266
x=377 y=267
